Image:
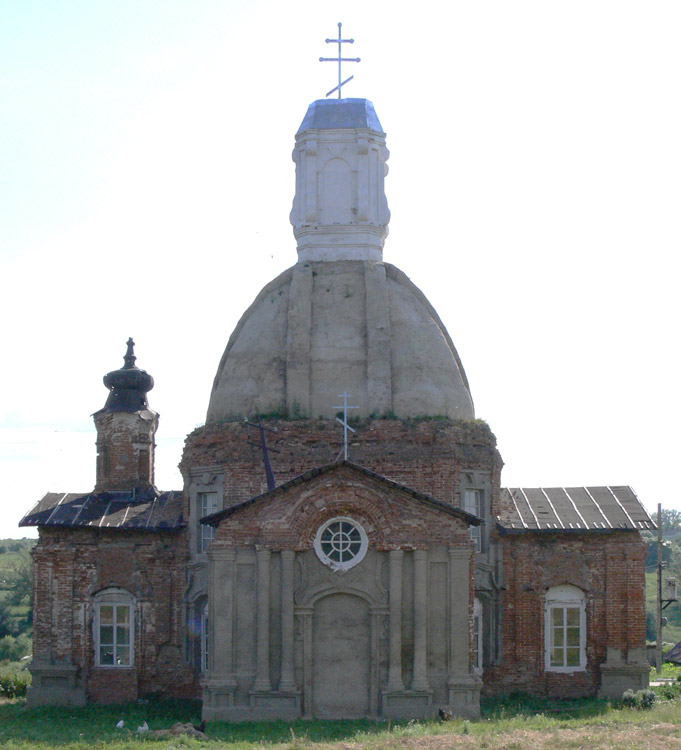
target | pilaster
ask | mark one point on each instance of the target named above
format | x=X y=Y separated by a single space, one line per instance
x=262 y=649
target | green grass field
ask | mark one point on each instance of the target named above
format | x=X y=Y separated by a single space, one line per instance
x=515 y=723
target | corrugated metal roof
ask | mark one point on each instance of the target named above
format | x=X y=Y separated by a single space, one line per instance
x=572 y=509
x=139 y=510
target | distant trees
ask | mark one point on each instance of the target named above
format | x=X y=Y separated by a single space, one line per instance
x=6 y=622
x=671 y=520
x=19 y=581
x=16 y=598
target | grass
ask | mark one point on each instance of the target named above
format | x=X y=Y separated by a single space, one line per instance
x=515 y=722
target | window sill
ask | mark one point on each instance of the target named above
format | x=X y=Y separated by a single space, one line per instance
x=565 y=670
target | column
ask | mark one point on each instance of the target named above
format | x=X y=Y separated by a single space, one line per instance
x=395 y=615
x=420 y=680
x=286 y=683
x=262 y=648
x=459 y=612
x=377 y=614
x=221 y=611
x=306 y=617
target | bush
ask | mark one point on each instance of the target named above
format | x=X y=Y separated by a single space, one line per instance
x=638 y=699
x=668 y=691
x=13 y=686
x=13 y=649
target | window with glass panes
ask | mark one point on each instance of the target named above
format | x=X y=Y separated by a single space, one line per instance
x=565 y=626
x=565 y=637
x=114 y=634
x=472 y=503
x=207 y=504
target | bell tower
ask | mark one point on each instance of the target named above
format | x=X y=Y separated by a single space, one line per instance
x=126 y=427
x=340 y=210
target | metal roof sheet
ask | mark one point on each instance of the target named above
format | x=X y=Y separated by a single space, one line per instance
x=139 y=510
x=572 y=509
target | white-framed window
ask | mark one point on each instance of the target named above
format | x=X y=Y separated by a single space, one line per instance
x=207 y=503
x=477 y=636
x=204 y=638
x=565 y=626
x=473 y=503
x=114 y=628
x=341 y=543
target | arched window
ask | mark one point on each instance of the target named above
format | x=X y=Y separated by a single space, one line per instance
x=477 y=636
x=114 y=628
x=565 y=629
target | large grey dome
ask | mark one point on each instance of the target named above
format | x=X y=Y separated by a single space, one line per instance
x=340 y=319
x=321 y=328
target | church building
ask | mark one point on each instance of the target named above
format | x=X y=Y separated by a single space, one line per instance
x=342 y=545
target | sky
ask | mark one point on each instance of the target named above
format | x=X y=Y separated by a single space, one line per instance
x=534 y=186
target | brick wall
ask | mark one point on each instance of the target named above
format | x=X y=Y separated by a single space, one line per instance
x=71 y=566
x=424 y=454
x=125 y=449
x=608 y=567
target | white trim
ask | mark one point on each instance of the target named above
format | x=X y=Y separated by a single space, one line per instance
x=564 y=597
x=341 y=564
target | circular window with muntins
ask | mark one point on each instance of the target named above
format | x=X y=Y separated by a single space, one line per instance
x=341 y=543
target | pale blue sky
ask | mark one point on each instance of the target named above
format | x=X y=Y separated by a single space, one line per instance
x=146 y=181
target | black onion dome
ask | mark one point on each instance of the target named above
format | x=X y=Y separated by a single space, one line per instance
x=128 y=386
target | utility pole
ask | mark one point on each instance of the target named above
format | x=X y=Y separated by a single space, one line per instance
x=658 y=650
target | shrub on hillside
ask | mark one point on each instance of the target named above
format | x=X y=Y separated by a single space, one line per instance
x=13 y=686
x=13 y=649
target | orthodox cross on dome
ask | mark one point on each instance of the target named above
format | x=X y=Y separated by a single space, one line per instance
x=339 y=60
x=345 y=396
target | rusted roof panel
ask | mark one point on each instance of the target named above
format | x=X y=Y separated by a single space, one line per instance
x=139 y=510
x=572 y=509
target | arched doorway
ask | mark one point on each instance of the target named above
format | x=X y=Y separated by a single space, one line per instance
x=341 y=660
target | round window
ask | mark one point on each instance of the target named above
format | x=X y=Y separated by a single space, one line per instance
x=341 y=543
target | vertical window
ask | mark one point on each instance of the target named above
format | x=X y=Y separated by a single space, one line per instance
x=204 y=638
x=565 y=629
x=477 y=636
x=472 y=503
x=207 y=503
x=114 y=629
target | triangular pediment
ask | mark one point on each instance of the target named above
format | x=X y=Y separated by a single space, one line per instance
x=347 y=469
x=394 y=515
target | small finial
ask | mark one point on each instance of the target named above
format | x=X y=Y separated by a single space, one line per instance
x=339 y=60
x=129 y=354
